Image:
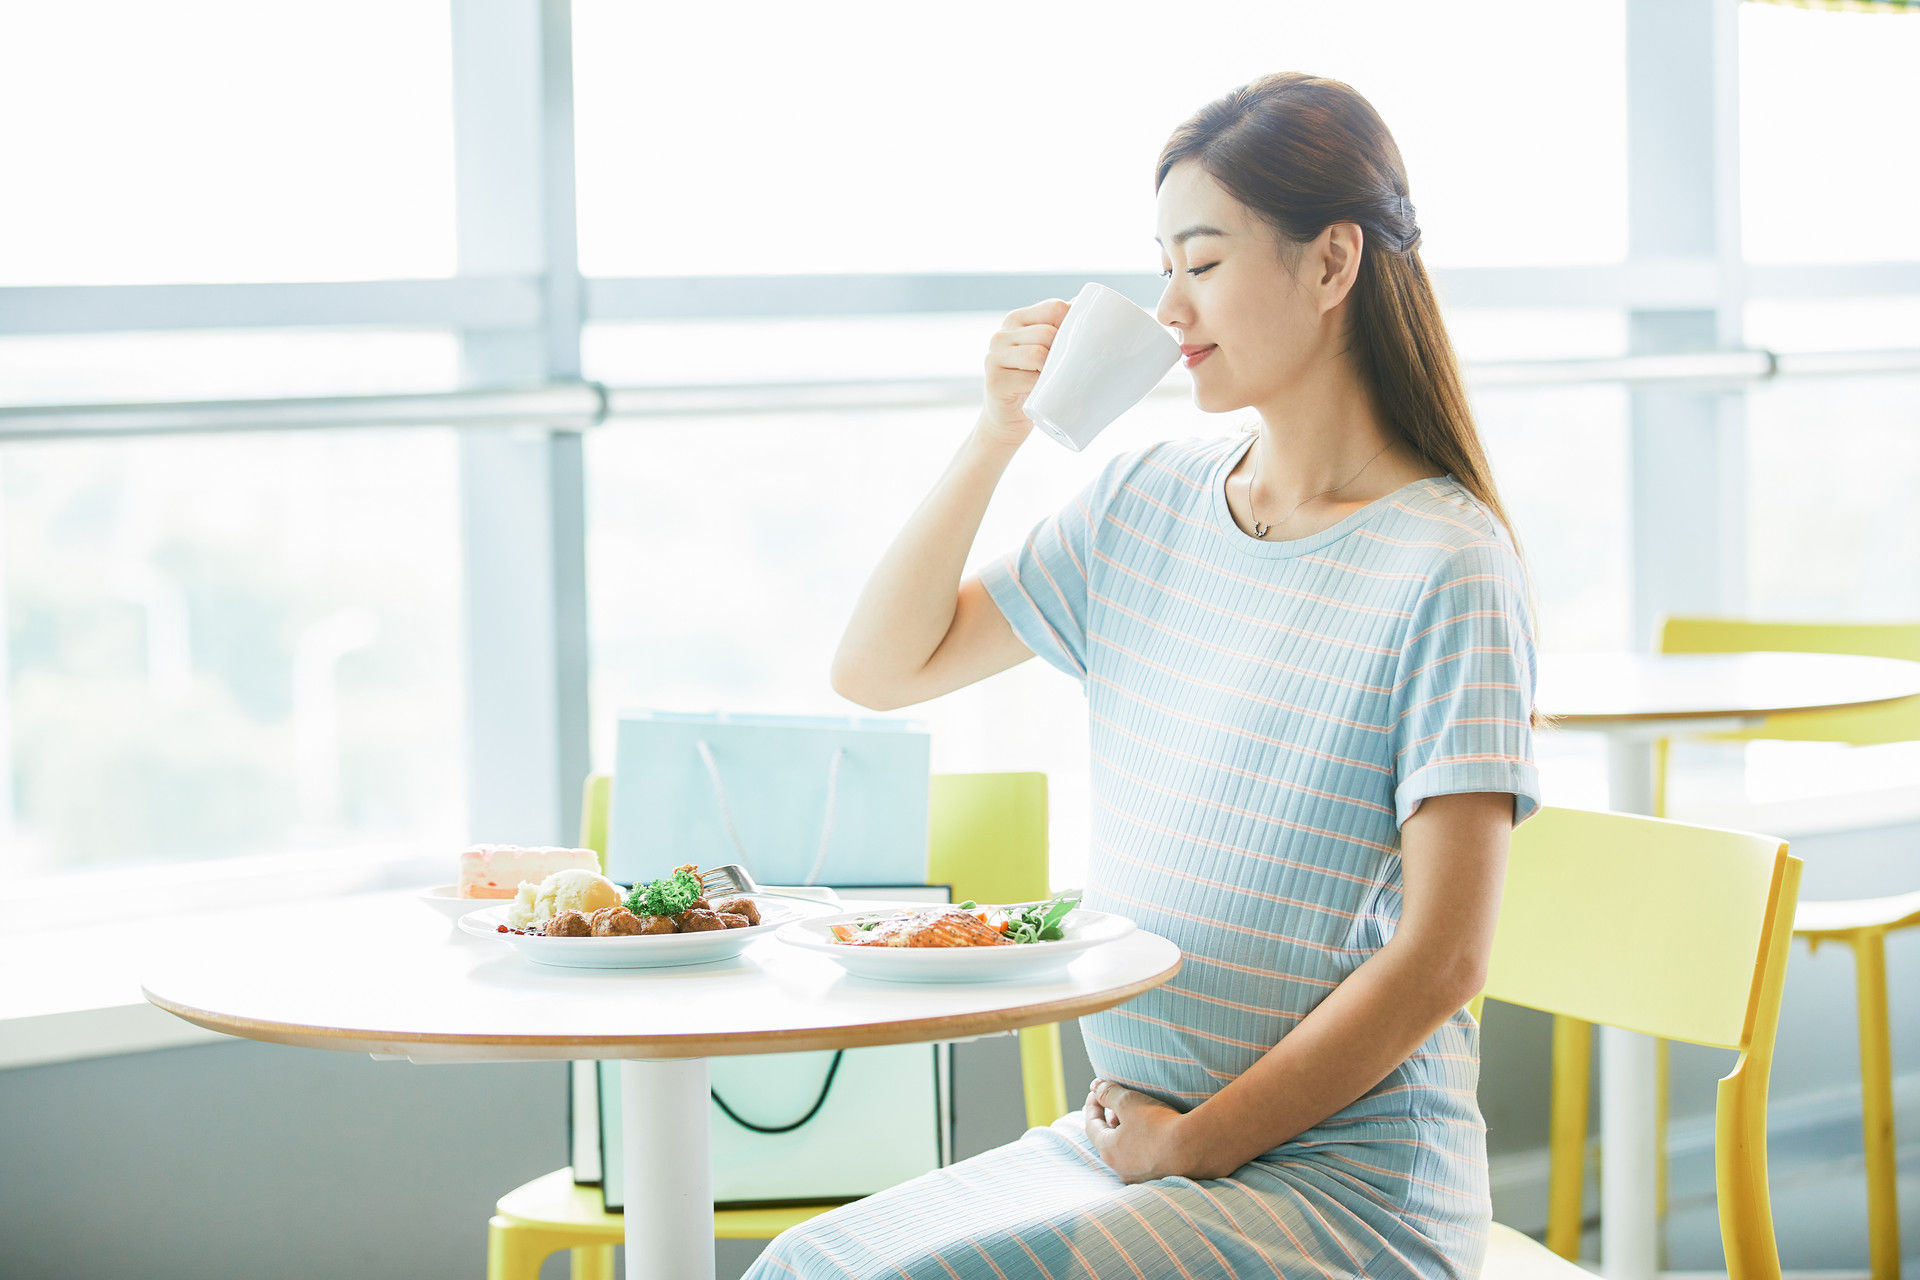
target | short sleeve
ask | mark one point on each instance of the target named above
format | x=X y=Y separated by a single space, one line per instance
x=1463 y=700
x=1041 y=585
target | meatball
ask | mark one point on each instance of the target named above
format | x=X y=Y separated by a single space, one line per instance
x=655 y=924
x=614 y=922
x=733 y=921
x=568 y=924
x=740 y=907
x=695 y=920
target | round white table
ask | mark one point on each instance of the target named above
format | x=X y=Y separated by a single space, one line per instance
x=1633 y=699
x=394 y=979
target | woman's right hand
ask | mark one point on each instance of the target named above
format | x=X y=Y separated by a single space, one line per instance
x=1014 y=357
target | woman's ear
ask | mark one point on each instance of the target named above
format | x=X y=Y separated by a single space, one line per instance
x=1335 y=255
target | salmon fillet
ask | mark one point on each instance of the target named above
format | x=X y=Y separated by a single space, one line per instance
x=941 y=927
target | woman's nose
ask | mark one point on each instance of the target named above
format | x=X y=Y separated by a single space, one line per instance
x=1169 y=313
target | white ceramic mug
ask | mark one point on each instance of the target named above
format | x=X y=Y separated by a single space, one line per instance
x=1108 y=354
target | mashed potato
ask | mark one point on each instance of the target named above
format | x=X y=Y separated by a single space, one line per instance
x=576 y=890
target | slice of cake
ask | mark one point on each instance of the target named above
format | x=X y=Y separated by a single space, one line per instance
x=496 y=870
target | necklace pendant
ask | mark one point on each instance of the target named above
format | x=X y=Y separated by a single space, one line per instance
x=1260 y=530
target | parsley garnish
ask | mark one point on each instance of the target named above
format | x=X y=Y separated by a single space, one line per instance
x=667 y=896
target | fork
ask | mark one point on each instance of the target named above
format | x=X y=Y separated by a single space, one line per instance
x=734 y=878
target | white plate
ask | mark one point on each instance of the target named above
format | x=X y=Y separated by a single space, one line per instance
x=649 y=952
x=446 y=899
x=1023 y=962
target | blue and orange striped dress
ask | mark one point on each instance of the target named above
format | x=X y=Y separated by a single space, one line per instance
x=1264 y=716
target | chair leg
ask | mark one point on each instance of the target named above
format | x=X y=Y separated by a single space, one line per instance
x=593 y=1262
x=515 y=1250
x=1876 y=1104
x=1567 y=1133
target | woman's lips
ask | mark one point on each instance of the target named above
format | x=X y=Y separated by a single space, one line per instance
x=1195 y=357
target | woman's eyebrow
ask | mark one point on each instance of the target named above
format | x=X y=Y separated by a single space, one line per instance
x=1181 y=237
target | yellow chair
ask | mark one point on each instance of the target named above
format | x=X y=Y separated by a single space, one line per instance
x=1670 y=930
x=1862 y=925
x=987 y=837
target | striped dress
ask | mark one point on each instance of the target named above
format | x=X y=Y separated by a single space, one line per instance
x=1264 y=715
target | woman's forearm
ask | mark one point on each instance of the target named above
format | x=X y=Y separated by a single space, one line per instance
x=908 y=604
x=1371 y=1023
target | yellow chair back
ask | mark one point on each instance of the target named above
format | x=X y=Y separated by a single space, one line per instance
x=987 y=837
x=1669 y=929
x=595 y=805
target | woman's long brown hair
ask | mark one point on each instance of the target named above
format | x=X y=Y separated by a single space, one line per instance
x=1303 y=152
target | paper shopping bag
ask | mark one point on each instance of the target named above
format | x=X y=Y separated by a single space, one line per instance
x=794 y=799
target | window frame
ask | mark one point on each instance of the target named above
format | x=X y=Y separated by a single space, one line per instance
x=519 y=303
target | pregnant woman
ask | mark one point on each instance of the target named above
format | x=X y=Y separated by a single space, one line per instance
x=1309 y=669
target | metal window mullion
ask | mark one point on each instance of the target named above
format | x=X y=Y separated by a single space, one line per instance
x=503 y=301
x=1829 y=280
x=1681 y=282
x=578 y=406
x=523 y=516
x=511 y=301
x=1687 y=456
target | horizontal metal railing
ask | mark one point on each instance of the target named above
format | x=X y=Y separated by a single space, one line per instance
x=578 y=406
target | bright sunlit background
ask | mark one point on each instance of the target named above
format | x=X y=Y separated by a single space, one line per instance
x=244 y=647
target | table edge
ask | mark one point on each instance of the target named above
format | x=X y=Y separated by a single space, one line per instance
x=1591 y=718
x=712 y=1045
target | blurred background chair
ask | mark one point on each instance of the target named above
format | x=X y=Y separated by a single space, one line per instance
x=1861 y=924
x=987 y=837
x=1671 y=930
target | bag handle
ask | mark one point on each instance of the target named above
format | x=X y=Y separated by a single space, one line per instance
x=726 y=810
x=812 y=1111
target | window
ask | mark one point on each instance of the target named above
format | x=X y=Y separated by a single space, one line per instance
x=99 y=368
x=229 y=646
x=798 y=349
x=1826 y=135
x=703 y=596
x=224 y=141
x=1835 y=530
x=1033 y=149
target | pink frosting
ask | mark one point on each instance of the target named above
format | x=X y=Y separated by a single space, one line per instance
x=496 y=870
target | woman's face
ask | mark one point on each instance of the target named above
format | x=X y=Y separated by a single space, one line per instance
x=1228 y=288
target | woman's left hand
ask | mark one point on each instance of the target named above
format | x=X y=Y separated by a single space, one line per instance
x=1139 y=1138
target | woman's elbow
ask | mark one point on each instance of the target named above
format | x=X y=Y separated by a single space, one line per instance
x=1470 y=980
x=847 y=687
x=1455 y=975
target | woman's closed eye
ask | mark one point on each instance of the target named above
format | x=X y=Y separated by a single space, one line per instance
x=1166 y=273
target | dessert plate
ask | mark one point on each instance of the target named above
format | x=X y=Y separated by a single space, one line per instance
x=446 y=899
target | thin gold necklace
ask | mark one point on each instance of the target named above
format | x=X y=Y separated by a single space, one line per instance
x=1260 y=530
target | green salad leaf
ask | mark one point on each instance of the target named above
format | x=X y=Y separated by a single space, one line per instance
x=1041 y=922
x=668 y=896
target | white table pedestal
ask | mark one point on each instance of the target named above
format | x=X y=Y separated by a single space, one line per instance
x=1629 y=1222
x=668 y=1168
